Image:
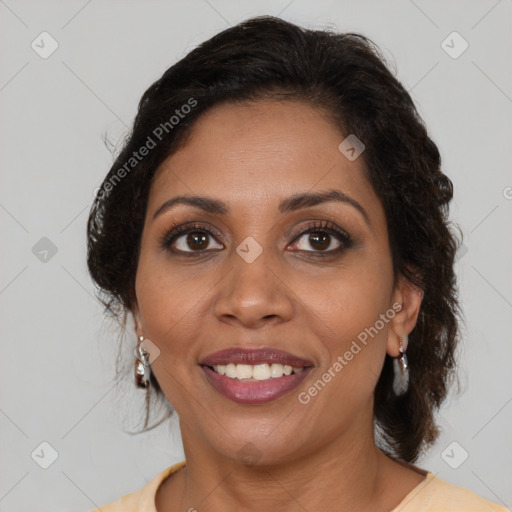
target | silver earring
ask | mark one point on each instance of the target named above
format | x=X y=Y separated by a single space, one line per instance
x=401 y=369
x=142 y=366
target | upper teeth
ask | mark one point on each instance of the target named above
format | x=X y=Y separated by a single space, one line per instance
x=257 y=371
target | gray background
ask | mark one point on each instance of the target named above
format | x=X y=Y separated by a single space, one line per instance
x=58 y=355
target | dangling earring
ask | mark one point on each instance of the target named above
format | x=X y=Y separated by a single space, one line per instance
x=142 y=366
x=401 y=369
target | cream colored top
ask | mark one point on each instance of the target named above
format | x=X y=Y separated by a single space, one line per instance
x=431 y=495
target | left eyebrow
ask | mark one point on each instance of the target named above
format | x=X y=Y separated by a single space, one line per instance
x=290 y=204
x=306 y=200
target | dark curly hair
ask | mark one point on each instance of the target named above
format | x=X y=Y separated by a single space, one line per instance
x=346 y=77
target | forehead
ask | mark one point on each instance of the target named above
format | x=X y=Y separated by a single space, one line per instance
x=252 y=155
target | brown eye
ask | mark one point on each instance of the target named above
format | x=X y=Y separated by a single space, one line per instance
x=194 y=241
x=325 y=238
x=319 y=241
x=189 y=239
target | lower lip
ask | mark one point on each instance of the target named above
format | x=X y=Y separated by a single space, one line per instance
x=254 y=392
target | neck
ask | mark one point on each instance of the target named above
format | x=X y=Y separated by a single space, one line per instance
x=347 y=473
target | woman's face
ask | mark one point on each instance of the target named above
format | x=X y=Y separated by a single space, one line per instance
x=250 y=276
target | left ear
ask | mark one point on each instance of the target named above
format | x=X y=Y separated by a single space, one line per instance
x=410 y=297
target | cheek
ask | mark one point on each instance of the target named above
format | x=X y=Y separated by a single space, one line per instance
x=167 y=304
x=356 y=337
x=166 y=309
x=349 y=323
x=351 y=315
x=349 y=299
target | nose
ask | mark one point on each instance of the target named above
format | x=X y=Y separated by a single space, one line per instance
x=253 y=294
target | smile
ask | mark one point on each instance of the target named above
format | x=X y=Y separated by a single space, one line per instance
x=253 y=376
x=255 y=372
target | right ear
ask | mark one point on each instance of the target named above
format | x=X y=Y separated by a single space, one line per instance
x=137 y=325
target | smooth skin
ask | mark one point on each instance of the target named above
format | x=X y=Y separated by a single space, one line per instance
x=315 y=456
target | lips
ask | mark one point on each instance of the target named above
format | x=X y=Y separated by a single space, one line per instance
x=249 y=390
x=255 y=356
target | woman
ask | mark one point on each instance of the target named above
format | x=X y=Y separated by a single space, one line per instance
x=276 y=225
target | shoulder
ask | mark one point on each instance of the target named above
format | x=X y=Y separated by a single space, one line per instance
x=435 y=494
x=142 y=500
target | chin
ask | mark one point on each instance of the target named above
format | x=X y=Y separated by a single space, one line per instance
x=258 y=445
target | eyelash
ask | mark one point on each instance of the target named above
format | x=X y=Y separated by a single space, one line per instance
x=318 y=227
